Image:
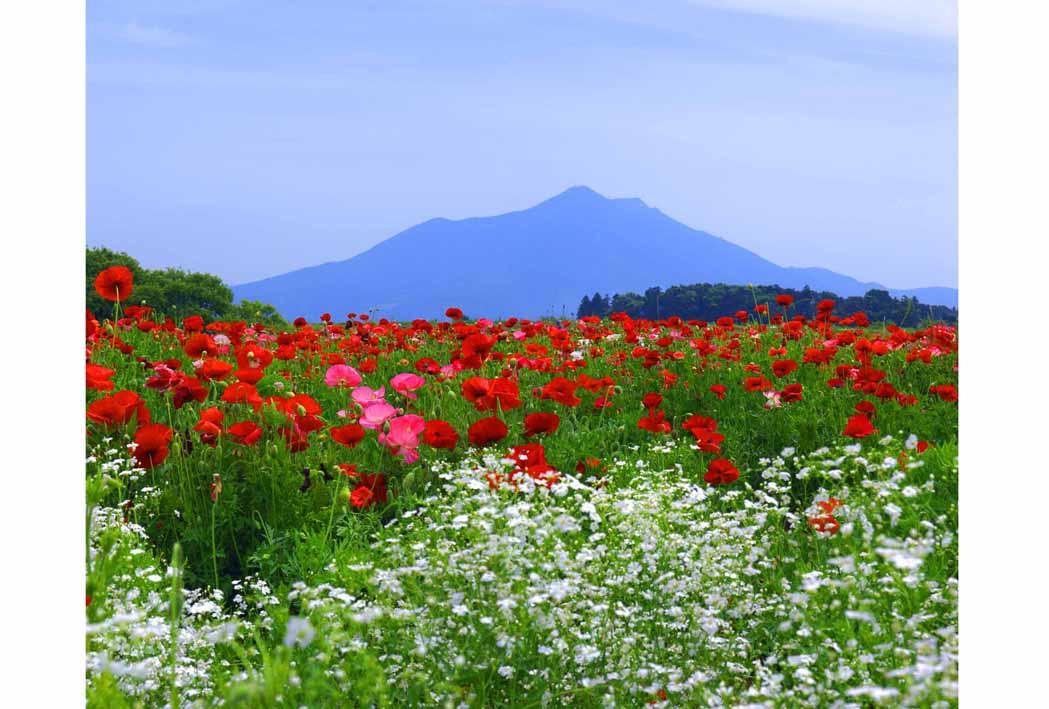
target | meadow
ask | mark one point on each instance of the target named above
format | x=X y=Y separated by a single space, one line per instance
x=759 y=510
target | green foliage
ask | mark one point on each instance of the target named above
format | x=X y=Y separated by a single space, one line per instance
x=707 y=301
x=175 y=293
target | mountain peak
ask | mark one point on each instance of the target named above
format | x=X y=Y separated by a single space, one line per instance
x=577 y=194
x=583 y=196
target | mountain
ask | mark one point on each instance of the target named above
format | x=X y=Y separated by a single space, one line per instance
x=535 y=262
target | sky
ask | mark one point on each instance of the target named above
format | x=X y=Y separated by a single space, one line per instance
x=249 y=139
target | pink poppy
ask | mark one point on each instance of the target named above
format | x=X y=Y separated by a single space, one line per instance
x=376 y=414
x=405 y=384
x=366 y=395
x=403 y=436
x=342 y=375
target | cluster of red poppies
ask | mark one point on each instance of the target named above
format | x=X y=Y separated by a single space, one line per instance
x=249 y=384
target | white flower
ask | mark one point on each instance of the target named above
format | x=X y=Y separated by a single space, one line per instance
x=300 y=633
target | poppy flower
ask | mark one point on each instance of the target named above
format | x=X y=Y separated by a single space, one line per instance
x=214 y=369
x=349 y=435
x=375 y=414
x=440 y=434
x=489 y=394
x=718 y=390
x=241 y=393
x=720 y=471
x=402 y=438
x=370 y=491
x=783 y=367
x=859 y=426
x=541 y=423
x=791 y=393
x=453 y=314
x=118 y=409
x=784 y=299
x=562 y=391
x=707 y=440
x=654 y=422
x=530 y=459
x=651 y=401
x=199 y=345
x=757 y=384
x=151 y=444
x=702 y=422
x=428 y=365
x=866 y=408
x=98 y=377
x=486 y=431
x=251 y=375
x=342 y=375
x=406 y=384
x=246 y=433
x=210 y=425
x=115 y=283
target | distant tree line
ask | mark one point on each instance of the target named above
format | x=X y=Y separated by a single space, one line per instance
x=174 y=293
x=709 y=301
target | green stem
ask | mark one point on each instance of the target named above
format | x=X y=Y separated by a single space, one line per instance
x=214 y=552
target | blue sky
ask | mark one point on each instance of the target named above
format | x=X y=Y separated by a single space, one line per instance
x=249 y=139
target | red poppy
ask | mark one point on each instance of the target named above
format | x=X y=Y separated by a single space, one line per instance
x=151 y=444
x=210 y=425
x=651 y=401
x=251 y=375
x=371 y=490
x=440 y=434
x=349 y=435
x=562 y=391
x=791 y=393
x=194 y=323
x=757 y=384
x=783 y=367
x=696 y=421
x=784 y=299
x=718 y=391
x=453 y=314
x=242 y=393
x=490 y=394
x=115 y=283
x=98 y=377
x=486 y=431
x=246 y=433
x=428 y=365
x=866 y=408
x=118 y=409
x=214 y=369
x=654 y=422
x=541 y=423
x=530 y=458
x=721 y=472
x=199 y=345
x=859 y=426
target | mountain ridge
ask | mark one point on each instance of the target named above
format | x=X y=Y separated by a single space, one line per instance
x=535 y=261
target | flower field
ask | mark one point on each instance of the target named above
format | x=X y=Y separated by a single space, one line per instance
x=755 y=511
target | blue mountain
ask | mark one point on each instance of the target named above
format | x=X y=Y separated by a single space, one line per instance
x=536 y=262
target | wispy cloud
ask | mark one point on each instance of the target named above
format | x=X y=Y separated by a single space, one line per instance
x=921 y=17
x=148 y=35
